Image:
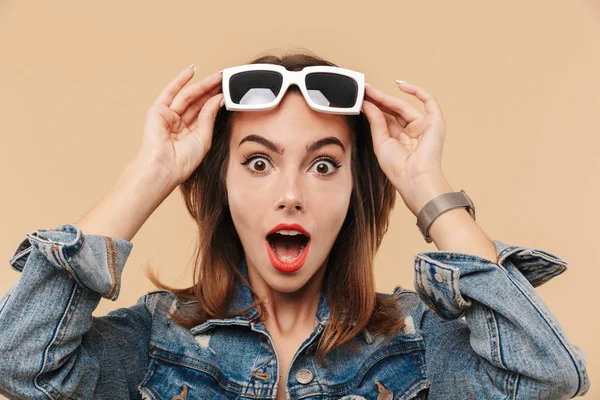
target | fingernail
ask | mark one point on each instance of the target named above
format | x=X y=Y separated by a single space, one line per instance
x=221 y=71
x=222 y=102
x=192 y=66
x=366 y=84
x=399 y=81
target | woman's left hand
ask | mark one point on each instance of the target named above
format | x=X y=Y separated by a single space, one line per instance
x=408 y=144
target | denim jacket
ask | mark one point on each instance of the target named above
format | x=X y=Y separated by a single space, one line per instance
x=474 y=330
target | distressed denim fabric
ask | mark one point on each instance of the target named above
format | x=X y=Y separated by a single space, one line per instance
x=474 y=330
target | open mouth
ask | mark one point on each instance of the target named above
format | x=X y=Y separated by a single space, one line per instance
x=287 y=248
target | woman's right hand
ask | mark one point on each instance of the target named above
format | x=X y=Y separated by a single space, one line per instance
x=179 y=125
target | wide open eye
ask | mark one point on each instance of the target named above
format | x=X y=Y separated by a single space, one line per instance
x=257 y=164
x=325 y=166
x=323 y=161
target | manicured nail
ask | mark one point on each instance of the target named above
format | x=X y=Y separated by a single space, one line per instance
x=192 y=66
x=399 y=81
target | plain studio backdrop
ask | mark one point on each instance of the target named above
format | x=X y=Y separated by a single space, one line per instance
x=518 y=83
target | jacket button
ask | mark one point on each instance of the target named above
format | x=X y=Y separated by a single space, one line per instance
x=304 y=376
x=438 y=278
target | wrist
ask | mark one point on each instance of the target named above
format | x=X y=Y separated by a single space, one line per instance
x=422 y=190
x=121 y=212
x=147 y=181
x=149 y=174
x=145 y=165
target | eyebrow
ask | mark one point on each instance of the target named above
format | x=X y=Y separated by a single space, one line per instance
x=311 y=147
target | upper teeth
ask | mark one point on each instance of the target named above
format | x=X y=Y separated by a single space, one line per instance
x=291 y=233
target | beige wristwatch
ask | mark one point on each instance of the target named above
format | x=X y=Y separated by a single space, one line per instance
x=439 y=205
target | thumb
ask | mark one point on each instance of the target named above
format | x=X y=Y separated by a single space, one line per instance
x=202 y=133
x=383 y=142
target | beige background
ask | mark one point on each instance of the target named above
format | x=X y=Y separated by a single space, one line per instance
x=518 y=83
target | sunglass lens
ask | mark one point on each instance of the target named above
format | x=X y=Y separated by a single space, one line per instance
x=332 y=90
x=255 y=87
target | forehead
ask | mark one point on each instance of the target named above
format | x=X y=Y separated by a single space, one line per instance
x=292 y=121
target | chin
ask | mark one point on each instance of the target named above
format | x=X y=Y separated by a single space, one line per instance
x=286 y=282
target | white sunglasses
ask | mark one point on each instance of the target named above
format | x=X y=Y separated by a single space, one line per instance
x=255 y=87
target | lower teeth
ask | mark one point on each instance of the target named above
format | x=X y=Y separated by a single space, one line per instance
x=289 y=258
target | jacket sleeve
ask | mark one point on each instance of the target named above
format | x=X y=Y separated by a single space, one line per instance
x=488 y=334
x=51 y=346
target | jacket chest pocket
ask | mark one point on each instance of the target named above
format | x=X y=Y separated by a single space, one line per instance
x=418 y=390
x=388 y=395
x=395 y=372
x=171 y=381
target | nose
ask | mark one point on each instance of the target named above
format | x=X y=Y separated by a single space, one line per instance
x=292 y=195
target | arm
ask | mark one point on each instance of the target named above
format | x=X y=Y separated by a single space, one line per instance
x=51 y=346
x=509 y=344
x=141 y=188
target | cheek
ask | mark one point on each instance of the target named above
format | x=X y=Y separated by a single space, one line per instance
x=331 y=210
x=247 y=207
x=329 y=207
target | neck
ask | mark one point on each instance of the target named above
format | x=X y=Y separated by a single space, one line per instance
x=289 y=313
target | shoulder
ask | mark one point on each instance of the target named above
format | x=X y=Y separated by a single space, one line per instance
x=158 y=302
x=424 y=319
x=408 y=301
x=161 y=303
x=410 y=306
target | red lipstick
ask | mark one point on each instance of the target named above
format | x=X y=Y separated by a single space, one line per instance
x=281 y=265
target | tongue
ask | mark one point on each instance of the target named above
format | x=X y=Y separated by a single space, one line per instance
x=287 y=246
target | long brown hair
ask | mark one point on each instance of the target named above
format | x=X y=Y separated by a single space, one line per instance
x=351 y=260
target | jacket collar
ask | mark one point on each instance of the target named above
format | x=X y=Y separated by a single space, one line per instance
x=243 y=298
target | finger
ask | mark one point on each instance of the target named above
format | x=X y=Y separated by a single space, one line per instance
x=395 y=105
x=187 y=96
x=194 y=120
x=401 y=121
x=394 y=127
x=162 y=115
x=430 y=103
x=166 y=96
x=379 y=128
x=433 y=142
x=202 y=133
x=191 y=113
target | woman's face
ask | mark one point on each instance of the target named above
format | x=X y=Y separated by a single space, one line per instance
x=293 y=187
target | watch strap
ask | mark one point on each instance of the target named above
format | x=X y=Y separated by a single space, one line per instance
x=439 y=205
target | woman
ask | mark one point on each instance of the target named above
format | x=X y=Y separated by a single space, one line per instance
x=291 y=204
